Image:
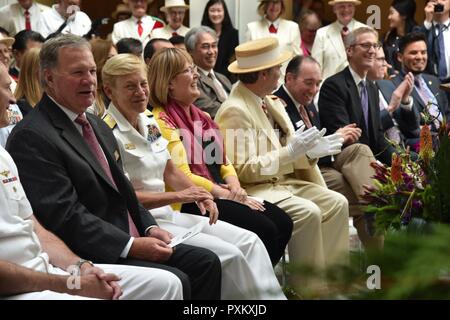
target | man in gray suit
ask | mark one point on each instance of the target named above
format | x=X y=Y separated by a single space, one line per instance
x=201 y=43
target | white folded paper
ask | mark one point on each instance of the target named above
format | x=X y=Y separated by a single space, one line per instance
x=188 y=234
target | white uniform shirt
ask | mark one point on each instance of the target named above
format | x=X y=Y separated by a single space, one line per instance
x=12 y=17
x=51 y=20
x=167 y=32
x=19 y=244
x=129 y=29
x=144 y=154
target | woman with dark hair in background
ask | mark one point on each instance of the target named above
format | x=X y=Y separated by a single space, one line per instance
x=401 y=21
x=216 y=17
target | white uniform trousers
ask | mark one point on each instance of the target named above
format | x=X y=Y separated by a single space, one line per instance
x=247 y=272
x=137 y=283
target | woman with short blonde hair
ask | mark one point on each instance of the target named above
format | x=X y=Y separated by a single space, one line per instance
x=29 y=91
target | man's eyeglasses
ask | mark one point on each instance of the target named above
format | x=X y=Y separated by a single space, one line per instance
x=367 y=46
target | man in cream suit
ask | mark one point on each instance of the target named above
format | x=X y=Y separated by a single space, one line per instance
x=328 y=48
x=23 y=15
x=139 y=25
x=282 y=168
x=175 y=11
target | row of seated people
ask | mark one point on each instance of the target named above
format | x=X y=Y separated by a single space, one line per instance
x=333 y=142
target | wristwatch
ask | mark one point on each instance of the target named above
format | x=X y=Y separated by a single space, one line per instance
x=83 y=261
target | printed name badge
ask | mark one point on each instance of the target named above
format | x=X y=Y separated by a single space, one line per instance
x=154 y=137
x=299 y=124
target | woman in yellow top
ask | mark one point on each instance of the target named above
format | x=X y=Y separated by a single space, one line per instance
x=197 y=148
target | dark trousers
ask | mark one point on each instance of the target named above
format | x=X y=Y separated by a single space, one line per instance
x=273 y=226
x=199 y=270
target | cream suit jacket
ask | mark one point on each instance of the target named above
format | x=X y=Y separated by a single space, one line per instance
x=329 y=50
x=259 y=155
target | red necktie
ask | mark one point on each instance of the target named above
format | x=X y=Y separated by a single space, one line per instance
x=94 y=145
x=305 y=117
x=140 y=28
x=272 y=28
x=27 y=20
x=174 y=34
x=344 y=33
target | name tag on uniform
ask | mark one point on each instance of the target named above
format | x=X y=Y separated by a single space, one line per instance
x=130 y=146
x=299 y=124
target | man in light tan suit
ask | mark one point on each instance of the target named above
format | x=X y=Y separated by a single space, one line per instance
x=277 y=167
x=328 y=48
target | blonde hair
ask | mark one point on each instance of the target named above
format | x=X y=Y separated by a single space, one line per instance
x=162 y=68
x=100 y=51
x=29 y=85
x=121 y=65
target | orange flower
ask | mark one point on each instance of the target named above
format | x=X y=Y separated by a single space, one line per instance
x=396 y=169
x=426 y=144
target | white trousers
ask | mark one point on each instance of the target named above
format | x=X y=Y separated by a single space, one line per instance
x=137 y=283
x=247 y=272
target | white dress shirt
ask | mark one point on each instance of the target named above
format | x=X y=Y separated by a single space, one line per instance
x=78 y=24
x=12 y=17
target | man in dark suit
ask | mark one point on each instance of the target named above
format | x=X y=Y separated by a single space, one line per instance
x=413 y=56
x=71 y=171
x=436 y=28
x=347 y=97
x=397 y=114
x=350 y=170
x=201 y=43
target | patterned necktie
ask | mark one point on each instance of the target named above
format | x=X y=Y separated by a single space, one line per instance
x=304 y=114
x=94 y=145
x=272 y=28
x=442 y=66
x=364 y=102
x=27 y=20
x=429 y=100
x=140 y=29
x=221 y=94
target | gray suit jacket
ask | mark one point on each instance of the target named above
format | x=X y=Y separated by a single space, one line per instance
x=209 y=100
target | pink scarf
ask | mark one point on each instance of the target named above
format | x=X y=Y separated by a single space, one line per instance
x=192 y=132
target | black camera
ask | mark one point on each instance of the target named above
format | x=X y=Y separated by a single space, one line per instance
x=438 y=7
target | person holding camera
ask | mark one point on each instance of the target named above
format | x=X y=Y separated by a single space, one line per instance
x=436 y=28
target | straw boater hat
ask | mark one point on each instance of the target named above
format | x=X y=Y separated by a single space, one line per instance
x=173 y=4
x=121 y=8
x=8 y=41
x=332 y=3
x=258 y=55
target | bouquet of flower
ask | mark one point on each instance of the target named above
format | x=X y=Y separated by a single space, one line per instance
x=414 y=187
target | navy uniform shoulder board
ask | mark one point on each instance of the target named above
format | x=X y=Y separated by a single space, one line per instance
x=109 y=121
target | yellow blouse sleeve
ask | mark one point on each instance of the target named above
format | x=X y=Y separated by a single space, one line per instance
x=177 y=151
